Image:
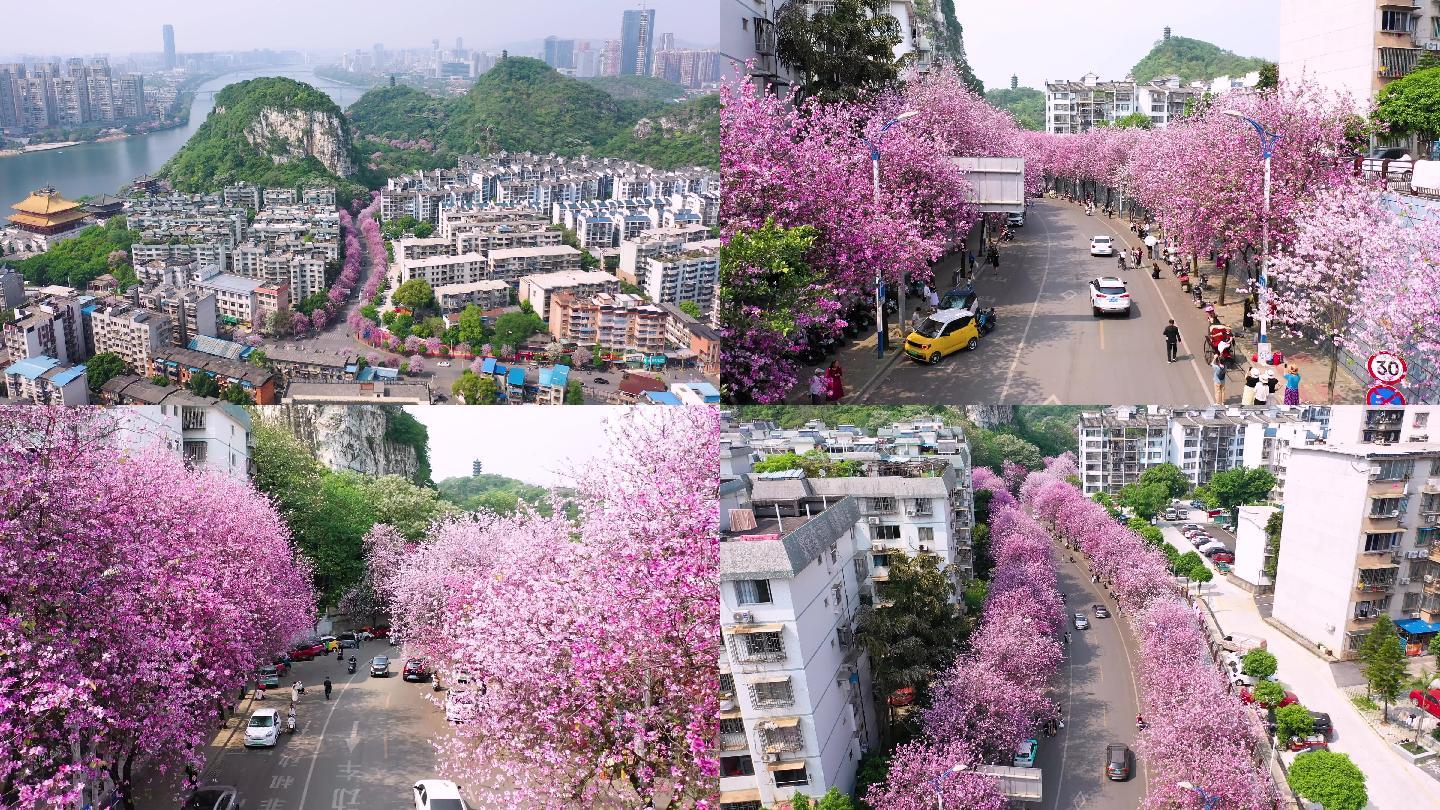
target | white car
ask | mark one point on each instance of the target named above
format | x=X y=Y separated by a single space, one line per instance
x=1015 y=220
x=1209 y=545
x=263 y=730
x=1395 y=161
x=438 y=794
x=443 y=364
x=1102 y=246
x=1108 y=295
x=1081 y=623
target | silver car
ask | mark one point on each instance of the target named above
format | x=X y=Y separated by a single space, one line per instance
x=1081 y=623
x=380 y=667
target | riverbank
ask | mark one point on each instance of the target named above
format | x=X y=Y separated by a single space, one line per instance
x=37 y=147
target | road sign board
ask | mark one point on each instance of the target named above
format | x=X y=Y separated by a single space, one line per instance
x=1384 y=395
x=1387 y=367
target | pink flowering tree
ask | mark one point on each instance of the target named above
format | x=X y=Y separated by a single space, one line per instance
x=415 y=365
x=1014 y=474
x=300 y=323
x=414 y=344
x=433 y=344
x=612 y=696
x=138 y=595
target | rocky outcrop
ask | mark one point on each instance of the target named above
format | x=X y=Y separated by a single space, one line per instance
x=990 y=417
x=287 y=135
x=347 y=437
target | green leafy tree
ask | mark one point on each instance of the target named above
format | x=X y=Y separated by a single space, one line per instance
x=496 y=493
x=236 y=393
x=1383 y=662
x=1293 y=721
x=1149 y=533
x=1169 y=476
x=832 y=800
x=1259 y=664
x=258 y=358
x=1188 y=565
x=1411 y=104
x=397 y=501
x=1434 y=648
x=1191 y=59
x=1147 y=500
x=477 y=389
x=1135 y=120
x=1230 y=489
x=1269 y=77
x=1025 y=104
x=472 y=327
x=842 y=51
x=992 y=449
x=874 y=767
x=1273 y=526
x=512 y=328
x=203 y=385
x=1330 y=779
x=691 y=308
x=423 y=230
x=815 y=463
x=916 y=633
x=160 y=380
x=1268 y=693
x=574 y=393
x=415 y=295
x=103 y=368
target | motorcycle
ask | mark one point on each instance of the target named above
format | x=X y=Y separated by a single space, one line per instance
x=351 y=665
x=985 y=320
x=290 y=724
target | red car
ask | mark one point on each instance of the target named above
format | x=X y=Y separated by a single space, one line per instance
x=306 y=651
x=1313 y=742
x=1246 y=696
x=1223 y=557
x=281 y=665
x=377 y=632
x=1429 y=701
x=415 y=670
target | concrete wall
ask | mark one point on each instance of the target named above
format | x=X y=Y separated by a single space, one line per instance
x=1331 y=42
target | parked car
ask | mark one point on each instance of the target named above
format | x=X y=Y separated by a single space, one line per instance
x=903 y=696
x=1102 y=246
x=263 y=730
x=1025 y=753
x=379 y=631
x=1395 y=162
x=1172 y=515
x=1081 y=622
x=1223 y=558
x=1209 y=546
x=1247 y=696
x=600 y=381
x=1427 y=700
x=268 y=676
x=1322 y=723
x=415 y=670
x=213 y=797
x=306 y=650
x=1109 y=295
x=1101 y=612
x=1117 y=762
x=438 y=794
x=281 y=665
x=946 y=331
x=1310 y=743
x=1015 y=220
x=380 y=667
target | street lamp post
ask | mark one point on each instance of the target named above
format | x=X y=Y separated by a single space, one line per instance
x=958 y=767
x=1267 y=146
x=1211 y=800
x=879 y=277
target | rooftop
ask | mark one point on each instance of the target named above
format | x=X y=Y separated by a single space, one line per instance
x=521 y=252
x=569 y=278
x=784 y=547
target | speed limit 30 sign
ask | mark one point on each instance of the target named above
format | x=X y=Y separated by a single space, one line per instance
x=1387 y=367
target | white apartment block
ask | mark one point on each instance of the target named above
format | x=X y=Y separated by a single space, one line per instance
x=1384 y=425
x=50 y=327
x=442 y=270
x=748 y=37
x=235 y=296
x=512 y=263
x=132 y=333
x=1358 y=540
x=486 y=294
x=538 y=289
x=47 y=381
x=656 y=243
x=797 y=710
x=215 y=438
x=688 y=276
x=1076 y=106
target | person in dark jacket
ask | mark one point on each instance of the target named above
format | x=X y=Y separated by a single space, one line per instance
x=1172 y=341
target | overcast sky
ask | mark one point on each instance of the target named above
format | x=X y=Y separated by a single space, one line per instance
x=537 y=444
x=92 y=26
x=1065 y=39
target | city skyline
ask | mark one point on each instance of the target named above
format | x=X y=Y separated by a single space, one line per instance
x=315 y=29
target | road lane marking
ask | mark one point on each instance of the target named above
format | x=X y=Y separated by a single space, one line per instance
x=1102 y=336
x=1019 y=350
x=320 y=741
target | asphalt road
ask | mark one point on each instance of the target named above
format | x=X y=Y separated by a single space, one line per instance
x=1047 y=346
x=362 y=749
x=1097 y=693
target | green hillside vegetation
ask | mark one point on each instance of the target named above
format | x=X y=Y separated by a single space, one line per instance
x=496 y=493
x=1026 y=104
x=640 y=88
x=77 y=261
x=1191 y=59
x=522 y=104
x=219 y=153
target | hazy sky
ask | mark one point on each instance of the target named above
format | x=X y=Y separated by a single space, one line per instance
x=92 y=26
x=537 y=444
x=1065 y=39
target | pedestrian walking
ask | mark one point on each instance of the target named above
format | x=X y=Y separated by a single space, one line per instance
x=1249 y=319
x=1217 y=371
x=1262 y=389
x=971 y=256
x=994 y=257
x=328 y=687
x=818 y=387
x=1252 y=379
x=834 y=382
x=1172 y=341
x=259 y=691
x=294 y=692
x=1060 y=722
x=1292 y=384
x=933 y=299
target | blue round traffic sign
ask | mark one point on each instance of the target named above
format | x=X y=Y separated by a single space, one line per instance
x=1384 y=395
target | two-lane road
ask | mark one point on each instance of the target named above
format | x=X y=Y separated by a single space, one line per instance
x=1048 y=346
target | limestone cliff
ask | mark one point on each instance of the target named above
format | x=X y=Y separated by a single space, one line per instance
x=354 y=437
x=287 y=135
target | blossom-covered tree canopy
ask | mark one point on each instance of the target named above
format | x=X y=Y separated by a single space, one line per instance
x=596 y=637
x=136 y=593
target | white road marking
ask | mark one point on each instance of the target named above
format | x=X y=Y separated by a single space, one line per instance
x=320 y=742
x=1019 y=350
x=354 y=738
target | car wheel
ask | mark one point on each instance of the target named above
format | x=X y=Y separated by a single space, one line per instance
x=1095 y=311
x=970 y=347
x=933 y=359
x=1127 y=312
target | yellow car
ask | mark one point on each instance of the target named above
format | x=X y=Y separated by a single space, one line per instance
x=945 y=332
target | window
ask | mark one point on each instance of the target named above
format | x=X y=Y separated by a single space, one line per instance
x=732 y=725
x=752 y=592
x=727 y=683
x=882 y=505
x=886 y=532
x=1410 y=602
x=1421 y=418
x=1396 y=469
x=1381 y=541
x=798 y=776
x=1395 y=22
x=927 y=534
x=880 y=560
x=777 y=693
x=764 y=644
x=737 y=766
x=754 y=805
x=1386 y=507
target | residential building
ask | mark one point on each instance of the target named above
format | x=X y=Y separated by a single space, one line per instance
x=1358 y=540
x=550 y=390
x=213 y=437
x=270 y=299
x=689 y=334
x=131 y=332
x=443 y=270
x=512 y=263
x=1384 y=425
x=537 y=289
x=656 y=243
x=52 y=326
x=46 y=381
x=611 y=320
x=179 y=365
x=691 y=275
x=486 y=294
x=357 y=393
x=796 y=702
x=236 y=297
x=1076 y=106
x=191 y=312
x=311 y=365
x=695 y=393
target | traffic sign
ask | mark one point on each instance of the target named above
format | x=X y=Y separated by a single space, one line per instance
x=1384 y=395
x=1387 y=367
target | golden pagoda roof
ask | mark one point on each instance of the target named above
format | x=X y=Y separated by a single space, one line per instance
x=48 y=220
x=45 y=202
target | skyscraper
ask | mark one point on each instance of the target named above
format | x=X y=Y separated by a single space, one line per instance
x=637 y=42
x=169 y=31
x=559 y=53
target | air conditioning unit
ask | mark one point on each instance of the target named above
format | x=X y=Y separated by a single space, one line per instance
x=873 y=521
x=1404 y=580
x=743 y=617
x=877 y=545
x=1414 y=614
x=1375 y=470
x=924 y=549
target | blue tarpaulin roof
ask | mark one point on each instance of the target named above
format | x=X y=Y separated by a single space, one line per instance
x=662 y=398
x=487 y=366
x=556 y=376
x=68 y=374
x=1416 y=627
x=32 y=367
x=516 y=376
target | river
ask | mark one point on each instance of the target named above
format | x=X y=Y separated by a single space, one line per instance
x=103 y=168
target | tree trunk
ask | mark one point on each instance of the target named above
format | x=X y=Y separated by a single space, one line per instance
x=1224 y=279
x=1334 y=366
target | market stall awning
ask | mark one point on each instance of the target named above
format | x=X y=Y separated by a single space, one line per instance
x=1415 y=627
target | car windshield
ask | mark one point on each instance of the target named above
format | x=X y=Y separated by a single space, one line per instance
x=262 y=721
x=930 y=328
x=1109 y=290
x=1101 y=240
x=380 y=661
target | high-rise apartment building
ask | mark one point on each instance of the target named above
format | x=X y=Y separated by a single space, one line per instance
x=559 y=53
x=1355 y=46
x=168 y=32
x=637 y=42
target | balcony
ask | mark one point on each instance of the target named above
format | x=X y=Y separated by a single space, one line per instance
x=781 y=735
x=734 y=742
x=1378 y=586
